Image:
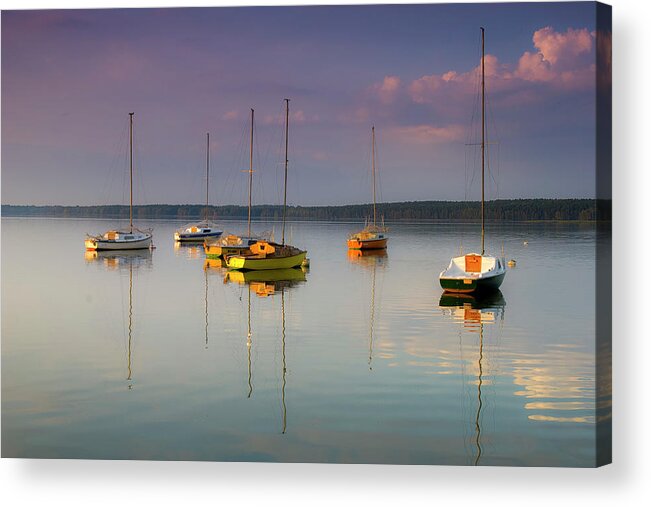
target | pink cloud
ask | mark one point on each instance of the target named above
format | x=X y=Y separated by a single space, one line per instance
x=387 y=90
x=231 y=115
x=562 y=61
x=561 y=49
x=427 y=134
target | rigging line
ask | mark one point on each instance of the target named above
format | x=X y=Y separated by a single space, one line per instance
x=378 y=176
x=476 y=92
x=115 y=164
x=233 y=167
x=140 y=196
x=280 y=136
x=493 y=123
x=472 y=133
x=259 y=167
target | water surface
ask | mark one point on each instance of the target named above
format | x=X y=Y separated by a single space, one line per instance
x=360 y=360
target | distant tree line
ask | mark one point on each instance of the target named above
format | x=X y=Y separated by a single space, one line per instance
x=505 y=209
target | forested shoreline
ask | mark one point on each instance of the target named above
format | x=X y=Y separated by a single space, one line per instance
x=504 y=210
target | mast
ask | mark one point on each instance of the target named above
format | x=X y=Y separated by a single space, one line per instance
x=373 y=166
x=286 y=162
x=250 y=176
x=207 y=170
x=483 y=132
x=130 y=172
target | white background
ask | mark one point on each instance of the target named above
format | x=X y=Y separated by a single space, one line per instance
x=626 y=482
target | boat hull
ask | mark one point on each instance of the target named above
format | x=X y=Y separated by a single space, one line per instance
x=483 y=285
x=242 y=262
x=196 y=237
x=107 y=244
x=368 y=244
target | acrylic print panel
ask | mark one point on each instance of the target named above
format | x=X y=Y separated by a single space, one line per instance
x=407 y=262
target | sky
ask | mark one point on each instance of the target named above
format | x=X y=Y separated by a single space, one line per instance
x=70 y=78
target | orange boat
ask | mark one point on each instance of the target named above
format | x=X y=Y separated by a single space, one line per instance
x=370 y=238
x=373 y=236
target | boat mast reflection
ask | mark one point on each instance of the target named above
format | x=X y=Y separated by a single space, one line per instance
x=370 y=259
x=130 y=324
x=249 y=343
x=265 y=284
x=118 y=260
x=474 y=312
x=205 y=298
x=282 y=310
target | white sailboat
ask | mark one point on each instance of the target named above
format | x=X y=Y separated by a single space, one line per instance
x=200 y=231
x=123 y=239
x=474 y=272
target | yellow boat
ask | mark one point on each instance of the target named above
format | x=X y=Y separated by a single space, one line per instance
x=266 y=255
x=227 y=245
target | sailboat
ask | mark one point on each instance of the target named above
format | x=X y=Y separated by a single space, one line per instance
x=199 y=231
x=266 y=254
x=372 y=236
x=117 y=239
x=473 y=272
x=232 y=244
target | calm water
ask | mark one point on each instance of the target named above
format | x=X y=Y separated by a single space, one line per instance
x=160 y=356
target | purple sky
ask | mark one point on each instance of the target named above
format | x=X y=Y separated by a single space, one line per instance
x=70 y=78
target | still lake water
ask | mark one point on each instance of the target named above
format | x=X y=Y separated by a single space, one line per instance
x=149 y=356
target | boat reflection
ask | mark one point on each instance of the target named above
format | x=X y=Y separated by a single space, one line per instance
x=122 y=259
x=189 y=250
x=267 y=282
x=473 y=313
x=473 y=310
x=368 y=257
x=210 y=265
